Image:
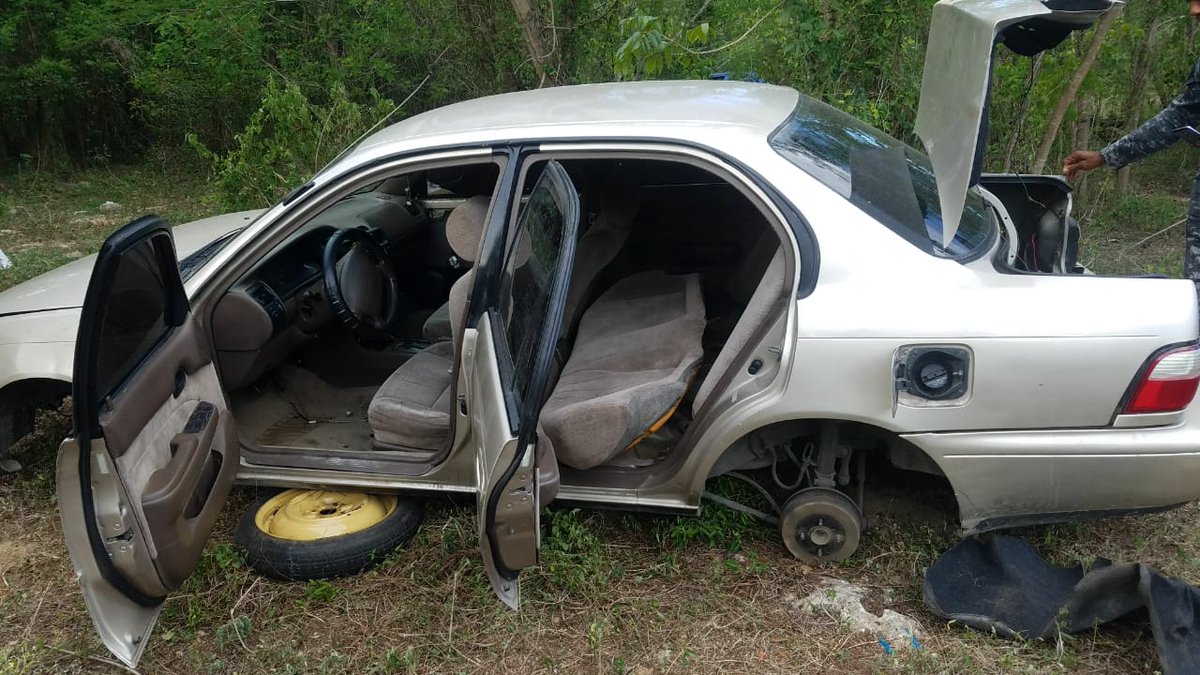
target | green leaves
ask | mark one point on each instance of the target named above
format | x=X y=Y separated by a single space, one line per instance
x=698 y=35
x=288 y=139
x=645 y=50
x=648 y=50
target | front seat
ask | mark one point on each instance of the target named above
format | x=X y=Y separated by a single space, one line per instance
x=411 y=409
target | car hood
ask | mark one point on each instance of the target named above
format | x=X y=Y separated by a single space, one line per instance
x=952 y=115
x=63 y=288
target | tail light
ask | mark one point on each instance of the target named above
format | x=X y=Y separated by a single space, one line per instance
x=1168 y=384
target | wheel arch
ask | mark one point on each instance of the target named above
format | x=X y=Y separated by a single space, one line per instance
x=35 y=384
x=19 y=401
x=747 y=451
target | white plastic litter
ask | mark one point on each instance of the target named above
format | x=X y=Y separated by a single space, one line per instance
x=5 y=263
x=843 y=601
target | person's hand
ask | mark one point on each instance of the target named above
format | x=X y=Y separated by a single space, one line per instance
x=1082 y=160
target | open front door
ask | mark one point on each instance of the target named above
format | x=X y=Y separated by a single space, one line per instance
x=154 y=452
x=508 y=357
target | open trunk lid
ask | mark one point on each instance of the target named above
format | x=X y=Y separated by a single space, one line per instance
x=952 y=116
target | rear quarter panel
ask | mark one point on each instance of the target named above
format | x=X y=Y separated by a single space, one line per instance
x=1049 y=351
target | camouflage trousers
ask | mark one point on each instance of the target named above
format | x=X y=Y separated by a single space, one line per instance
x=1191 y=253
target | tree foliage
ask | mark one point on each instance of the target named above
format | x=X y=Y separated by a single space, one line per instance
x=270 y=89
x=287 y=140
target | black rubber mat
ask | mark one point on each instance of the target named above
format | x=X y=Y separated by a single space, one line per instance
x=1001 y=583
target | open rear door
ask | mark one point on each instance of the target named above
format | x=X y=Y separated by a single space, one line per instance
x=154 y=451
x=508 y=358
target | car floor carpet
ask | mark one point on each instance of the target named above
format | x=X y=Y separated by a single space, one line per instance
x=293 y=408
x=1000 y=583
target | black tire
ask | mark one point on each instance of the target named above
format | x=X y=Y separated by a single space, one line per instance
x=340 y=556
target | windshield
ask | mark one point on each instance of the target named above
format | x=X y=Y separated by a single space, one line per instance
x=189 y=265
x=889 y=180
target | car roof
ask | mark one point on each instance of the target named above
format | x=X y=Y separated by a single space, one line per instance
x=596 y=110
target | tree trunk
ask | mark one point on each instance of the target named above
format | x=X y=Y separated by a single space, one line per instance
x=1014 y=139
x=531 y=31
x=1083 y=139
x=1140 y=75
x=1072 y=90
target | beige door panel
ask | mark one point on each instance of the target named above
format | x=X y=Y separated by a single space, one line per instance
x=168 y=472
x=508 y=357
x=141 y=485
x=510 y=541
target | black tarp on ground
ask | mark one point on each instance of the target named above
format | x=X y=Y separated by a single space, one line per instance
x=1001 y=583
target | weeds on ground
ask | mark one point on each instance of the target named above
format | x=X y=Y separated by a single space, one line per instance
x=716 y=526
x=37 y=451
x=573 y=558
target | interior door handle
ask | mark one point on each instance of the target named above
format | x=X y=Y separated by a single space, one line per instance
x=180 y=383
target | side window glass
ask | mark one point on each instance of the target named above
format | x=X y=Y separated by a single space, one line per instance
x=533 y=259
x=134 y=318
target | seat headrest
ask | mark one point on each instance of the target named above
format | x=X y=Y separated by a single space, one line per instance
x=619 y=201
x=464 y=227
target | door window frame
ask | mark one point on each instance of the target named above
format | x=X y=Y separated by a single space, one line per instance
x=525 y=408
x=176 y=310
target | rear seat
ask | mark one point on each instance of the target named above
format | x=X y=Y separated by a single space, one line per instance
x=637 y=347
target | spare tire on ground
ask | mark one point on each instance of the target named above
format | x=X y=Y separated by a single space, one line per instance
x=319 y=534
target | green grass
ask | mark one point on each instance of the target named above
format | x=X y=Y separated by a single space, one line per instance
x=1141 y=233
x=47 y=221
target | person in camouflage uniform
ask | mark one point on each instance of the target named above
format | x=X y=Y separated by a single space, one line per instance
x=1156 y=134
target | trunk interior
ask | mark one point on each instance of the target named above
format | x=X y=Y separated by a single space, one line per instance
x=1038 y=234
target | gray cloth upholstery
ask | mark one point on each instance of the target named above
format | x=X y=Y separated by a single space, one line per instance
x=758 y=310
x=464 y=227
x=412 y=408
x=437 y=326
x=464 y=231
x=460 y=295
x=598 y=246
x=637 y=347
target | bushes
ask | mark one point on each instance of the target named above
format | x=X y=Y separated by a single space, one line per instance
x=287 y=139
x=88 y=81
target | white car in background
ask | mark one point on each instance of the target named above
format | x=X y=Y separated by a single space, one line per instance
x=39 y=320
x=608 y=295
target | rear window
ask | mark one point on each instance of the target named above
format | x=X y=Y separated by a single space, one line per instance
x=887 y=179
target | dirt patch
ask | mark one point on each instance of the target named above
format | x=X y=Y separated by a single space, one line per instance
x=14 y=554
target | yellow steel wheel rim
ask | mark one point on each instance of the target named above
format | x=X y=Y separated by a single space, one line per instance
x=306 y=515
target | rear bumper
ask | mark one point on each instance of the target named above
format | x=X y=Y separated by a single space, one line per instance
x=1007 y=478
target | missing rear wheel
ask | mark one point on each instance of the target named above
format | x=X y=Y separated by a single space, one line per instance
x=820 y=525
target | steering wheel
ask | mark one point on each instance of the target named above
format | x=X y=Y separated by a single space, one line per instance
x=369 y=304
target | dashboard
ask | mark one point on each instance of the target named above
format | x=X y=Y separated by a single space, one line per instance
x=280 y=304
